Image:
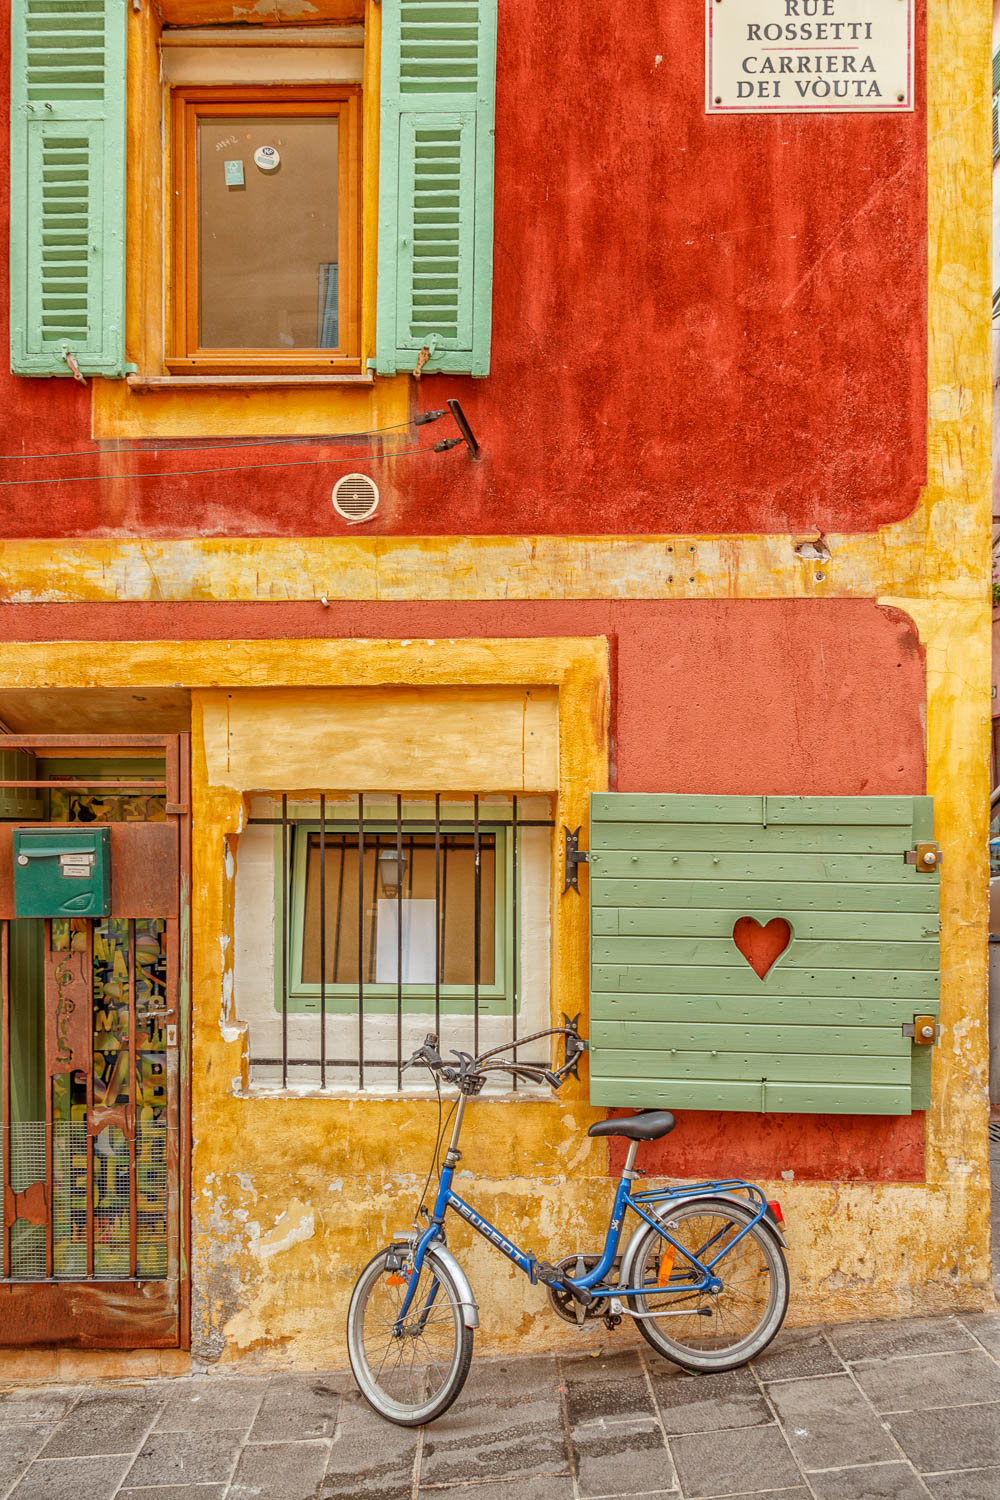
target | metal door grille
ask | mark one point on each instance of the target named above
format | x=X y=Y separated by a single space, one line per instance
x=368 y=828
x=90 y=1051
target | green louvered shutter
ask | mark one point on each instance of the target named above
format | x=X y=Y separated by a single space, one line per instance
x=67 y=277
x=435 y=231
x=678 y=1016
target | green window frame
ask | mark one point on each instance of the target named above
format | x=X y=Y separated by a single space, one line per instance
x=304 y=998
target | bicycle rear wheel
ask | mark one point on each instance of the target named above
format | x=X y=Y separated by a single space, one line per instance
x=412 y=1375
x=742 y=1318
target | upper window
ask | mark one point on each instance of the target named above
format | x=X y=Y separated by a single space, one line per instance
x=259 y=266
x=266 y=229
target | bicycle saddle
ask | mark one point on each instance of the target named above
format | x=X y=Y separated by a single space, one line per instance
x=648 y=1125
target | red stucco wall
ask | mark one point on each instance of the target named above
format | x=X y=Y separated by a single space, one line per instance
x=699 y=324
x=821 y=698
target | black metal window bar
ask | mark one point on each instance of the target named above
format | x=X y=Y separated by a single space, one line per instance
x=375 y=833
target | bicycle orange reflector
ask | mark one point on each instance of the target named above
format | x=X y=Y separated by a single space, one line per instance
x=666 y=1266
x=395 y=1279
x=775 y=1208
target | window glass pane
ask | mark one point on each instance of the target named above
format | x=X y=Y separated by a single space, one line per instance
x=455 y=916
x=267 y=239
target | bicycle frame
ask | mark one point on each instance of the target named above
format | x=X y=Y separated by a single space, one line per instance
x=594 y=1281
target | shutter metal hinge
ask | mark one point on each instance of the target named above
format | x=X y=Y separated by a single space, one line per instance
x=575 y=1045
x=574 y=858
x=927 y=857
x=924 y=1030
x=71 y=360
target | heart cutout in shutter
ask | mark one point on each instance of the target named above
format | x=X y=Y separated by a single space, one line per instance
x=762 y=946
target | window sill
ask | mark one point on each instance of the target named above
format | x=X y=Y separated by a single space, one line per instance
x=159 y=383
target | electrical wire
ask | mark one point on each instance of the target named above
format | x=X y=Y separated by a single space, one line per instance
x=156 y=445
x=293 y=463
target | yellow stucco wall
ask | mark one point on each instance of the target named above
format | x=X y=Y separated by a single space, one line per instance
x=292 y=1195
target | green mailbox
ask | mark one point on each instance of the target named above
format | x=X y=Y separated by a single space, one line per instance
x=62 y=872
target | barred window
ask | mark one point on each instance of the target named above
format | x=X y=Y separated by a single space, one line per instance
x=364 y=922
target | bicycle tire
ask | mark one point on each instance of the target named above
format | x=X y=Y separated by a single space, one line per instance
x=745 y=1315
x=403 y=1387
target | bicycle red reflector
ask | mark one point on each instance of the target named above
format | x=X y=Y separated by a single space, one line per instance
x=775 y=1208
x=395 y=1280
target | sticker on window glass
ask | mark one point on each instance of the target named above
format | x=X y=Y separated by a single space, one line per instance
x=234 y=174
x=266 y=158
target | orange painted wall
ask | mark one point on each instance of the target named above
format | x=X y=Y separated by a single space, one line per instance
x=700 y=324
x=805 y=698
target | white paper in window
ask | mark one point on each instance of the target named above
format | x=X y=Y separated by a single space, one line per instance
x=419 y=931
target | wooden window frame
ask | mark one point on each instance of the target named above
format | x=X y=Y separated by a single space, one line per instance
x=188 y=105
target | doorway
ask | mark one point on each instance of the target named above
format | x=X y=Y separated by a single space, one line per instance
x=94 y=894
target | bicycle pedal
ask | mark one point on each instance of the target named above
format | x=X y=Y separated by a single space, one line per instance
x=547 y=1274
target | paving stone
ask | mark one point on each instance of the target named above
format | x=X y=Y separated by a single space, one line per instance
x=884 y=1340
x=622 y=1458
x=895 y=1481
x=828 y=1423
x=704 y=1403
x=370 y=1459
x=299 y=1406
x=743 y=1462
x=276 y=1471
x=209 y=1401
x=103 y=1421
x=963 y=1437
x=185 y=1458
x=42 y=1405
x=71 y=1479
x=612 y=1386
x=797 y=1352
x=18 y=1446
x=972 y=1484
x=175 y=1492
x=547 y=1488
x=930 y=1380
x=985 y=1327
x=504 y=1425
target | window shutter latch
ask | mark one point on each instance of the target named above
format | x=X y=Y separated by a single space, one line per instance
x=575 y=857
x=924 y=1030
x=927 y=857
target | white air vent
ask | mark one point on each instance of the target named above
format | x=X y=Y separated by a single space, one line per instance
x=355 y=497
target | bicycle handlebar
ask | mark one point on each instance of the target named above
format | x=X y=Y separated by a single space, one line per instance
x=470 y=1067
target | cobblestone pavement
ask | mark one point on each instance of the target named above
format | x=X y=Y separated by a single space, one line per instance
x=860 y=1411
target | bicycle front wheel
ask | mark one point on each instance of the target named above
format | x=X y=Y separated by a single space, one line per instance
x=711 y=1330
x=410 y=1373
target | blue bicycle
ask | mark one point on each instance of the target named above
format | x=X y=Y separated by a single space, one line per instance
x=705 y=1261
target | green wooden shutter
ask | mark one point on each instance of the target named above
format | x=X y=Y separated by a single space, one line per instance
x=679 y=1019
x=67 y=276
x=435 y=230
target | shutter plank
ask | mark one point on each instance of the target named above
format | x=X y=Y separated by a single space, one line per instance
x=771 y=897
x=718 y=952
x=653 y=979
x=718 y=922
x=435 y=246
x=768 y=1009
x=67 y=283
x=808 y=1098
x=660 y=1037
x=867 y=838
x=642 y=807
x=739 y=1066
x=692 y=864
